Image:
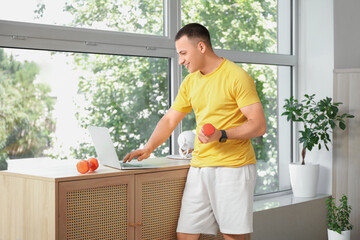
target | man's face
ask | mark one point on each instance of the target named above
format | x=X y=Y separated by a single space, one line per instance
x=190 y=54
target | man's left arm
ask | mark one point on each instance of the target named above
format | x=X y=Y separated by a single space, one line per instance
x=254 y=126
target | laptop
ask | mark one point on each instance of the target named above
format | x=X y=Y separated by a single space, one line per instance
x=106 y=153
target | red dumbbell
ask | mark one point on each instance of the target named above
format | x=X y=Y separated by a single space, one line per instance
x=208 y=129
x=84 y=166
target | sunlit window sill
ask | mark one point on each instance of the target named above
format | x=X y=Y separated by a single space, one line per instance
x=263 y=203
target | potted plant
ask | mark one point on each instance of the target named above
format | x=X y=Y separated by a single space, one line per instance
x=318 y=118
x=338 y=219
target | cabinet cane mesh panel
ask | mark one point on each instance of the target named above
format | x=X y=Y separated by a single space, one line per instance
x=161 y=201
x=97 y=213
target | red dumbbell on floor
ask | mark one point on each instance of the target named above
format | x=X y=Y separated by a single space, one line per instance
x=84 y=166
x=208 y=129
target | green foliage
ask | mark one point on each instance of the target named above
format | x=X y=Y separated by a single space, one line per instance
x=128 y=95
x=237 y=25
x=83 y=151
x=265 y=78
x=318 y=119
x=125 y=16
x=25 y=110
x=39 y=12
x=338 y=218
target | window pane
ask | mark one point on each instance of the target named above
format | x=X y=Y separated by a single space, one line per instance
x=139 y=16
x=47 y=100
x=189 y=122
x=266 y=147
x=243 y=25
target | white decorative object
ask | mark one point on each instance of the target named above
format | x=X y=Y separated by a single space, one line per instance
x=186 y=141
x=332 y=235
x=304 y=179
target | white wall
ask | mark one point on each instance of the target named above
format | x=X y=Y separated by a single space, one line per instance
x=347 y=33
x=347 y=55
x=346 y=164
x=316 y=64
x=296 y=222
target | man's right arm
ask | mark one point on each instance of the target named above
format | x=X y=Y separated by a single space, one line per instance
x=162 y=132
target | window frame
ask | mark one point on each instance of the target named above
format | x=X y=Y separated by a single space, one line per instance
x=69 y=39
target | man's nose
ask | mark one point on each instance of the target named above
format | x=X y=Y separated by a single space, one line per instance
x=181 y=61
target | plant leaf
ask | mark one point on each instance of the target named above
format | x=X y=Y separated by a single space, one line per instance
x=342 y=125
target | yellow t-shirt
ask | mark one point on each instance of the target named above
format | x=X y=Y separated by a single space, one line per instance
x=216 y=98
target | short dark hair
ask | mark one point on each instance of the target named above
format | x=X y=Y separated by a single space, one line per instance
x=195 y=30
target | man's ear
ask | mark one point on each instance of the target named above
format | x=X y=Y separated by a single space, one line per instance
x=202 y=47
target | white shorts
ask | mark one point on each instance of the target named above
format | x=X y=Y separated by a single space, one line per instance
x=218 y=197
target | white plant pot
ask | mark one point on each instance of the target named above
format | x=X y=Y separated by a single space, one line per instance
x=332 y=235
x=304 y=179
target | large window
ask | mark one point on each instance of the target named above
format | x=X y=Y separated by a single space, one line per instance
x=136 y=16
x=50 y=98
x=65 y=65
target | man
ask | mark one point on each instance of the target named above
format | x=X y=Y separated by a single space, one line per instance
x=221 y=179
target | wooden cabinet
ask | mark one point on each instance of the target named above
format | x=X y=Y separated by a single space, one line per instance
x=109 y=204
x=139 y=206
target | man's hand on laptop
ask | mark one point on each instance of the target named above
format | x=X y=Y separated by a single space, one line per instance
x=140 y=154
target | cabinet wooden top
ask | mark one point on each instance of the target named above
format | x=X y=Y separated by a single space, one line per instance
x=65 y=170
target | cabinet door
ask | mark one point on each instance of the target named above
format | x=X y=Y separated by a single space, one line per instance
x=157 y=203
x=99 y=208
